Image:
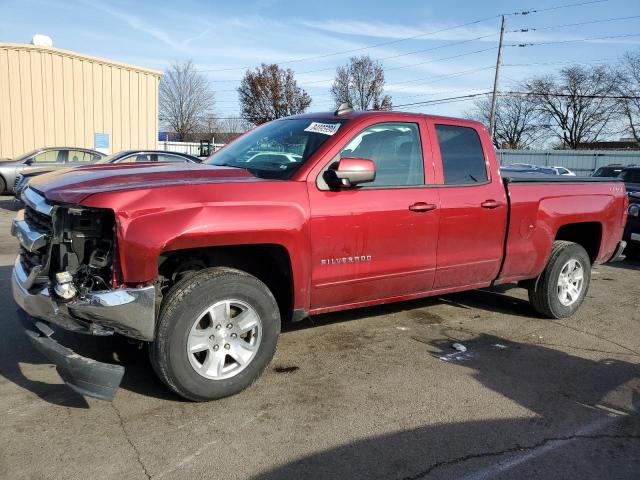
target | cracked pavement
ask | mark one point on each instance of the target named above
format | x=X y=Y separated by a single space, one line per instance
x=370 y=393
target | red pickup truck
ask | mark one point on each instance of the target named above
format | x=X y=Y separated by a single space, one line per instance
x=304 y=215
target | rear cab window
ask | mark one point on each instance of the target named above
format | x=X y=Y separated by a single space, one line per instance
x=463 y=160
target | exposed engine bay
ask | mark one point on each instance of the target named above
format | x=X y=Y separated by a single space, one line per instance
x=78 y=258
x=83 y=250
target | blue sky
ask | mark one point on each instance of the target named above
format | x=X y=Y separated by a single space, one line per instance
x=224 y=38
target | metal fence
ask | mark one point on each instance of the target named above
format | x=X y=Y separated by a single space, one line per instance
x=192 y=148
x=582 y=162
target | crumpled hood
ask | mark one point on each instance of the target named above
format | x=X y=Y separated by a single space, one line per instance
x=72 y=185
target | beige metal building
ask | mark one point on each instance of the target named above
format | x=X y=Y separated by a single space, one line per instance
x=52 y=97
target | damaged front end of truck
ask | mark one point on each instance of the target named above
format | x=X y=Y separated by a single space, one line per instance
x=66 y=274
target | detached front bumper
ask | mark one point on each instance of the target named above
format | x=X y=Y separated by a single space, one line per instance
x=128 y=311
x=83 y=375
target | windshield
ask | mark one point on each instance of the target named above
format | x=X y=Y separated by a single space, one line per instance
x=276 y=149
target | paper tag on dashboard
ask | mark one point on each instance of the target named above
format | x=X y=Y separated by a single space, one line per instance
x=324 y=128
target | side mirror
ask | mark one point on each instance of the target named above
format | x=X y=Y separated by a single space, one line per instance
x=28 y=161
x=348 y=172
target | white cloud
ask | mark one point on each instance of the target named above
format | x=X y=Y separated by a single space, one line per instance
x=432 y=31
x=144 y=26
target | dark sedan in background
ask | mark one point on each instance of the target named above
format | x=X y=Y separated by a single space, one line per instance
x=126 y=156
x=44 y=158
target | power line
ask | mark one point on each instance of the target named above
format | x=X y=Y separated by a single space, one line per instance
x=458 y=90
x=564 y=25
x=412 y=37
x=368 y=47
x=302 y=82
x=441 y=59
x=564 y=62
x=515 y=93
x=408 y=53
x=557 y=7
x=558 y=42
x=429 y=102
x=433 y=79
x=569 y=95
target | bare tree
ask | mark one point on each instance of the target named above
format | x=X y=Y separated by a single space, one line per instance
x=517 y=120
x=229 y=128
x=361 y=83
x=271 y=92
x=628 y=86
x=576 y=106
x=185 y=99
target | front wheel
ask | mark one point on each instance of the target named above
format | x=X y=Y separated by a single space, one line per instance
x=563 y=284
x=216 y=333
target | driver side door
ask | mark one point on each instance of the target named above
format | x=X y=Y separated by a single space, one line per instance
x=375 y=240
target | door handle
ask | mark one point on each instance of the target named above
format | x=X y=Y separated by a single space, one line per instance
x=490 y=204
x=422 y=207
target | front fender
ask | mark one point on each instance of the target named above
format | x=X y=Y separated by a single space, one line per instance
x=154 y=221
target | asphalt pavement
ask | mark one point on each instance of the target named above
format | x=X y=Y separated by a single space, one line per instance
x=365 y=394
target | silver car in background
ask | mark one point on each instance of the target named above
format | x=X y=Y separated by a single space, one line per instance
x=51 y=158
x=126 y=156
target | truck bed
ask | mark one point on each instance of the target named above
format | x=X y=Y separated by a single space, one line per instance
x=540 y=178
x=540 y=206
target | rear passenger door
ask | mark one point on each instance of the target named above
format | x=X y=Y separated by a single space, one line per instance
x=473 y=208
x=376 y=240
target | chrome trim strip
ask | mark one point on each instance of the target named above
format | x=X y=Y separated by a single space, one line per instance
x=30 y=238
x=36 y=201
x=635 y=237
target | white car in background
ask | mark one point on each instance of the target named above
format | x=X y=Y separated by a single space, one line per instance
x=563 y=171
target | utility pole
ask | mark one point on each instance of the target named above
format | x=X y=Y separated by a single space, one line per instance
x=494 y=99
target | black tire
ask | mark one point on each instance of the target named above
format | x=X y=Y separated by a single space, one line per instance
x=543 y=293
x=3 y=185
x=180 y=309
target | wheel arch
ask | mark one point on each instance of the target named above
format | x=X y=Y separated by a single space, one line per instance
x=269 y=262
x=586 y=234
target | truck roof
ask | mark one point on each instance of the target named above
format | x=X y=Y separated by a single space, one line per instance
x=381 y=114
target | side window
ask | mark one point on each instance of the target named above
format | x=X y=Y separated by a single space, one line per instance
x=50 y=156
x=170 y=158
x=76 y=156
x=396 y=150
x=144 y=158
x=462 y=156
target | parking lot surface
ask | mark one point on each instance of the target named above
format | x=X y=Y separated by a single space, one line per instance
x=369 y=393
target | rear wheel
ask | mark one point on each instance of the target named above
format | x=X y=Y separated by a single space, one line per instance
x=563 y=284
x=3 y=185
x=217 y=331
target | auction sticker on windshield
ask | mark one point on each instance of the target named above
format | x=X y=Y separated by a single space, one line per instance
x=324 y=128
